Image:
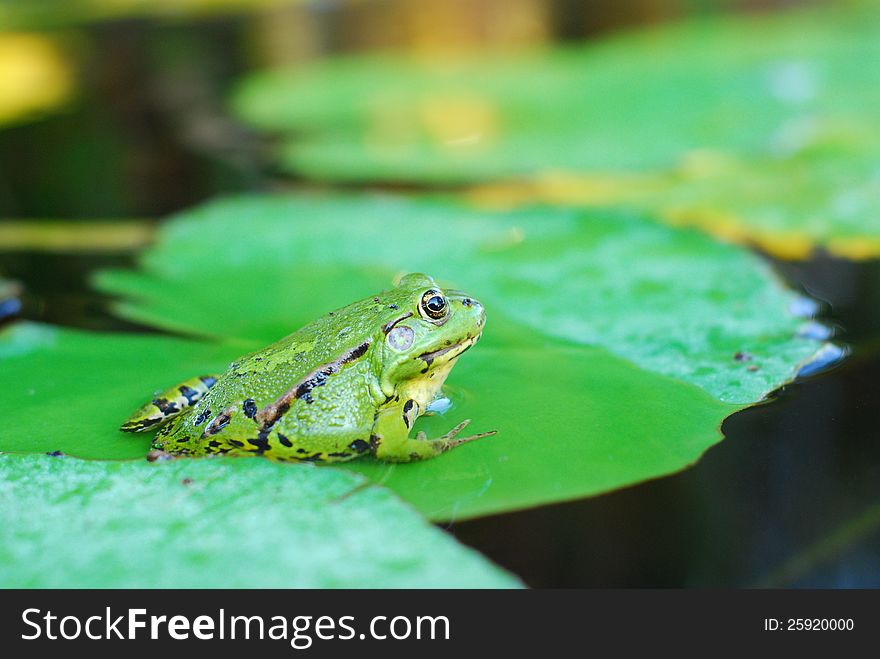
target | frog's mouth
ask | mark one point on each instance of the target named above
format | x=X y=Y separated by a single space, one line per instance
x=450 y=352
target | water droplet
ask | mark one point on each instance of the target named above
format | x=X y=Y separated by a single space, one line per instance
x=439 y=405
x=816 y=331
x=828 y=356
x=804 y=307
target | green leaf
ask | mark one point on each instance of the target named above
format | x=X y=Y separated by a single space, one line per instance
x=672 y=302
x=70 y=523
x=68 y=390
x=564 y=415
x=786 y=100
x=614 y=347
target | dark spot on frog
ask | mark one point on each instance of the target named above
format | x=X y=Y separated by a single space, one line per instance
x=250 y=408
x=414 y=456
x=284 y=441
x=742 y=357
x=236 y=443
x=341 y=454
x=753 y=368
x=186 y=481
x=308 y=397
x=214 y=444
x=192 y=396
x=209 y=381
x=219 y=422
x=166 y=406
x=376 y=300
x=390 y=325
x=375 y=441
x=300 y=450
x=261 y=443
x=359 y=446
x=393 y=306
x=202 y=417
x=55 y=454
x=317 y=457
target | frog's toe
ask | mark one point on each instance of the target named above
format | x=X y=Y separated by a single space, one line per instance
x=452 y=433
x=458 y=441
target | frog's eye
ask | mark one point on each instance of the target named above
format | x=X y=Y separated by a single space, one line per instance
x=434 y=305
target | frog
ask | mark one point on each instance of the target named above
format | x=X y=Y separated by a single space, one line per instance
x=350 y=384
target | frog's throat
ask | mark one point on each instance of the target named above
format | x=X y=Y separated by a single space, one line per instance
x=448 y=353
x=437 y=364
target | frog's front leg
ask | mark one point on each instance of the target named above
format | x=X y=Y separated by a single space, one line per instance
x=391 y=441
x=169 y=404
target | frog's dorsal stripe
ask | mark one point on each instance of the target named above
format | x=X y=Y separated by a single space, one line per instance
x=169 y=404
x=269 y=415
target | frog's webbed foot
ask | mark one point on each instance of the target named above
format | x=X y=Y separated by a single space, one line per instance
x=169 y=404
x=451 y=439
x=390 y=440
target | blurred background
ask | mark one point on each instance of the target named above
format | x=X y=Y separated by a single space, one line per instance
x=115 y=114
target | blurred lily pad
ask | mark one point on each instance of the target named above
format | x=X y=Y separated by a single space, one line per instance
x=787 y=206
x=787 y=100
x=71 y=523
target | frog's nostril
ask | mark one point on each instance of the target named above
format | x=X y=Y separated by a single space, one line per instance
x=467 y=302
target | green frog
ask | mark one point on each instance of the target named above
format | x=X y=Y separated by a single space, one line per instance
x=349 y=384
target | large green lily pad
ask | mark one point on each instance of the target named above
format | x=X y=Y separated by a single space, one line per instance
x=773 y=95
x=614 y=348
x=69 y=523
x=672 y=302
x=68 y=391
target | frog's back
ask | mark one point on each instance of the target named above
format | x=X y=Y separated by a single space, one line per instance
x=309 y=396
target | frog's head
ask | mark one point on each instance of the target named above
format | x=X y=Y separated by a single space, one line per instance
x=431 y=328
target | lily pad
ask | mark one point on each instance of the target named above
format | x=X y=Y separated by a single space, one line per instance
x=68 y=390
x=787 y=206
x=564 y=415
x=71 y=523
x=672 y=302
x=615 y=346
x=774 y=95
